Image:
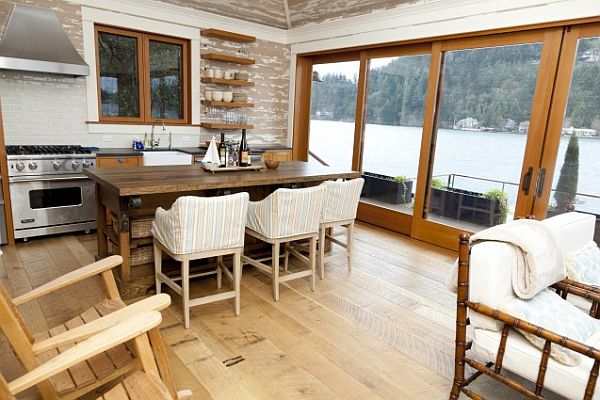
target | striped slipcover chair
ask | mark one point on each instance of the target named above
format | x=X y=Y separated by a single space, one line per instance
x=201 y=227
x=340 y=202
x=285 y=216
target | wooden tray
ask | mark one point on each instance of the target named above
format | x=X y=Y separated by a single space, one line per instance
x=214 y=168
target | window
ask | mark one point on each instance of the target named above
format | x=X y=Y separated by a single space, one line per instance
x=142 y=77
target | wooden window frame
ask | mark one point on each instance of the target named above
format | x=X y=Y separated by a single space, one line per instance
x=144 y=91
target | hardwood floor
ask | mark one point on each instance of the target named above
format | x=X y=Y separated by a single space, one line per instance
x=383 y=331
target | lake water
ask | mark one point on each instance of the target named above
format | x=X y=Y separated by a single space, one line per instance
x=394 y=150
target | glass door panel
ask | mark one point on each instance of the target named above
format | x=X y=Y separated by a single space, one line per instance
x=482 y=122
x=395 y=102
x=576 y=178
x=332 y=113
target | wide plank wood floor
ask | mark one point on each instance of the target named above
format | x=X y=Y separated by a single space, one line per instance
x=383 y=331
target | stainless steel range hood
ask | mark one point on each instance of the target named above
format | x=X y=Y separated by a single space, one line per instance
x=34 y=40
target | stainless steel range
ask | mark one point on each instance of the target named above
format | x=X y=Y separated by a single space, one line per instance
x=48 y=190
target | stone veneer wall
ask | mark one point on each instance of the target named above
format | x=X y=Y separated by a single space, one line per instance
x=269 y=94
x=51 y=109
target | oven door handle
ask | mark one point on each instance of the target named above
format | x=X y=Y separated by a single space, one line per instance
x=24 y=179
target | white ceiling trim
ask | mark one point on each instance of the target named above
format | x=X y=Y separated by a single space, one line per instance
x=436 y=18
x=165 y=12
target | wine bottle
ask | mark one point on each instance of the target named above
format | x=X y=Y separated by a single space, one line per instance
x=222 y=151
x=244 y=153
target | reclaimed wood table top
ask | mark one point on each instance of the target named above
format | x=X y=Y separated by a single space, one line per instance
x=136 y=181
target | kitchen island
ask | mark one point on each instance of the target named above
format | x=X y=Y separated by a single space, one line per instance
x=128 y=197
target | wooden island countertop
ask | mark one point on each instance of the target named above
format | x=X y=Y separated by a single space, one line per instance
x=136 y=181
x=128 y=197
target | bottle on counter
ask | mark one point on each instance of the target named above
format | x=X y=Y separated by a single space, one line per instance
x=223 y=151
x=244 y=152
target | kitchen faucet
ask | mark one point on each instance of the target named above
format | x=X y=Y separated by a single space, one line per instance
x=152 y=142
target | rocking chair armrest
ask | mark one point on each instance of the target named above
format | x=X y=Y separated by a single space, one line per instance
x=122 y=332
x=580 y=289
x=536 y=330
x=70 y=278
x=154 y=303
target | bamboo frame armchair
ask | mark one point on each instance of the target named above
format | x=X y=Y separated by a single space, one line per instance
x=494 y=368
x=84 y=377
x=143 y=383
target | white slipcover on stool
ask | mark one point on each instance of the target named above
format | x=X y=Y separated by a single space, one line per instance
x=201 y=227
x=340 y=202
x=284 y=216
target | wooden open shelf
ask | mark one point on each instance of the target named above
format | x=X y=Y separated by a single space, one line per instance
x=227 y=58
x=232 y=82
x=217 y=125
x=213 y=103
x=231 y=36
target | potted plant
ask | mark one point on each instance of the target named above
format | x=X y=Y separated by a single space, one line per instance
x=393 y=190
x=566 y=188
x=486 y=209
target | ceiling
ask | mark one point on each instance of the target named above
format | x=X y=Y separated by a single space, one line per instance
x=297 y=13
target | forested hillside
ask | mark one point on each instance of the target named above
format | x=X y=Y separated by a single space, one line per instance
x=493 y=85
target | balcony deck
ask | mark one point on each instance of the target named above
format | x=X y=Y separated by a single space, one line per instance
x=383 y=331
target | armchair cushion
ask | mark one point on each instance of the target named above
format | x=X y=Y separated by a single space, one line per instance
x=584 y=265
x=522 y=358
x=551 y=312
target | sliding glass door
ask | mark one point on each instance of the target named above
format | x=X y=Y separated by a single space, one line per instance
x=487 y=133
x=332 y=113
x=393 y=116
x=571 y=158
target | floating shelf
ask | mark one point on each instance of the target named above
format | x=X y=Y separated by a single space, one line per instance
x=213 y=103
x=231 y=36
x=227 y=58
x=217 y=125
x=220 y=81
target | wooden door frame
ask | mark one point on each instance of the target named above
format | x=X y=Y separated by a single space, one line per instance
x=556 y=114
x=444 y=235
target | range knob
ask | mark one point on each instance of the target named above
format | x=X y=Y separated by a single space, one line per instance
x=20 y=166
x=33 y=165
x=86 y=164
x=56 y=165
x=75 y=164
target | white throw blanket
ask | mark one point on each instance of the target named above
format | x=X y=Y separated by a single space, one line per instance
x=539 y=262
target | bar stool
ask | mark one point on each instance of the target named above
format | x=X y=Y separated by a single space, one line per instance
x=196 y=228
x=340 y=202
x=285 y=216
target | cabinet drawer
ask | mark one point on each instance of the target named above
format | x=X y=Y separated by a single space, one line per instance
x=279 y=155
x=117 y=162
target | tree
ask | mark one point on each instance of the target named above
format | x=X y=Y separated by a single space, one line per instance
x=566 y=188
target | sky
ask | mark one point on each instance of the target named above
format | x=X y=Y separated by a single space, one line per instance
x=349 y=68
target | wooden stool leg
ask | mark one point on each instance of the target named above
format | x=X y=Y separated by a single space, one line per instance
x=313 y=261
x=322 y=252
x=157 y=266
x=349 y=238
x=237 y=277
x=286 y=255
x=185 y=284
x=219 y=272
x=275 y=270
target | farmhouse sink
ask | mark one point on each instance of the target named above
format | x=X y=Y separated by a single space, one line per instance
x=166 y=157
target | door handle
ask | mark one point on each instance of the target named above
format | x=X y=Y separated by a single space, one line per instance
x=540 y=183
x=527 y=180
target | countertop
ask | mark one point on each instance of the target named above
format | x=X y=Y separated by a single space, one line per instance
x=124 y=152
x=187 y=178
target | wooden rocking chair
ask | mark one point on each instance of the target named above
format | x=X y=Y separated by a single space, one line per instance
x=88 y=375
x=505 y=349
x=143 y=383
